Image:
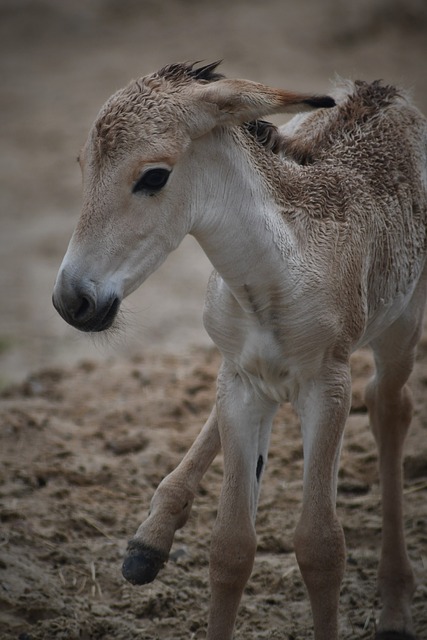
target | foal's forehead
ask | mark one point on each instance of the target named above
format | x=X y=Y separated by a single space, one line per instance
x=146 y=109
x=140 y=111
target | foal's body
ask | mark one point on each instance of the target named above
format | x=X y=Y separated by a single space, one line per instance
x=314 y=257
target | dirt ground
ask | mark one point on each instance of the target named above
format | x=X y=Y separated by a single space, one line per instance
x=87 y=430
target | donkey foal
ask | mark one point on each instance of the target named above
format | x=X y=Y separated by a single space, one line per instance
x=317 y=234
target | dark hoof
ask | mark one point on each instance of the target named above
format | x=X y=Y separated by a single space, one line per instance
x=142 y=563
x=394 y=635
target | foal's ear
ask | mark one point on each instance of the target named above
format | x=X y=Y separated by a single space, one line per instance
x=237 y=101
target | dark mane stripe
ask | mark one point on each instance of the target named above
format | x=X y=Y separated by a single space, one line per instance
x=207 y=73
x=266 y=134
x=186 y=70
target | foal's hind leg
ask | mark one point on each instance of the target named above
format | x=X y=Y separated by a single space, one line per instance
x=390 y=410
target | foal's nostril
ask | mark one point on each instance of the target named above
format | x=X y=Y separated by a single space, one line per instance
x=83 y=308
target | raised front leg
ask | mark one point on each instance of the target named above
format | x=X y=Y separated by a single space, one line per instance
x=245 y=425
x=323 y=407
x=170 y=508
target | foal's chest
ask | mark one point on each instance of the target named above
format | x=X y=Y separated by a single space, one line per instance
x=253 y=348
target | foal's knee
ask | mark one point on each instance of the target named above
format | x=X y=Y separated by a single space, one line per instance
x=320 y=551
x=232 y=556
x=390 y=411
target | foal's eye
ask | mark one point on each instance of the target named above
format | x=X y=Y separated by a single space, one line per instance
x=152 y=180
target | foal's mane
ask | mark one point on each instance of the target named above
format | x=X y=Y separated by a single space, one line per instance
x=186 y=71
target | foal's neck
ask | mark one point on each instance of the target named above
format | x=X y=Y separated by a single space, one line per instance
x=240 y=228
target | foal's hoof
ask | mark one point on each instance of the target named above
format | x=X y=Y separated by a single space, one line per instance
x=394 y=635
x=142 y=563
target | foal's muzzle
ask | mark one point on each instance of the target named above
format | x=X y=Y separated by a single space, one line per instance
x=82 y=306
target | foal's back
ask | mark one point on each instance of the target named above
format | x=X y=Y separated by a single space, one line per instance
x=367 y=159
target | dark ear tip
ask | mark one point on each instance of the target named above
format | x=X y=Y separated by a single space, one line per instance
x=320 y=102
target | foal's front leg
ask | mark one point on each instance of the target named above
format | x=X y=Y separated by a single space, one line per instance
x=244 y=421
x=319 y=540
x=170 y=508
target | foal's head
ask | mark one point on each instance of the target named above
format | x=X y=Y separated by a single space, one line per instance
x=140 y=180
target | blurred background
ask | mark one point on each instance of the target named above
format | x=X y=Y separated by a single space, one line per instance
x=60 y=61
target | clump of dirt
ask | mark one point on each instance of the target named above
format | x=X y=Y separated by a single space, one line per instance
x=82 y=451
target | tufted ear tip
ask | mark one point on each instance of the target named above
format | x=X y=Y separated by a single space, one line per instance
x=320 y=102
x=304 y=102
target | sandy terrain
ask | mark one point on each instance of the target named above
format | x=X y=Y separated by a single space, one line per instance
x=88 y=430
